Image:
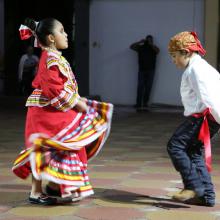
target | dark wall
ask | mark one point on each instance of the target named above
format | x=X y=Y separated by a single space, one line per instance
x=82 y=45
x=15 y=13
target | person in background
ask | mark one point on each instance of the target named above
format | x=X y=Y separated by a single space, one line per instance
x=26 y=70
x=147 y=53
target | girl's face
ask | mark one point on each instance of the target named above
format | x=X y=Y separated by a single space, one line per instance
x=60 y=36
x=180 y=60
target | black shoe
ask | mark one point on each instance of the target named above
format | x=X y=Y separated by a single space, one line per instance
x=43 y=200
x=52 y=192
x=201 y=201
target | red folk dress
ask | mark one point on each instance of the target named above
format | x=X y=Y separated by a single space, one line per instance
x=58 y=138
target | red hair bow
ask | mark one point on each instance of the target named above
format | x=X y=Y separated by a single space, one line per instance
x=26 y=33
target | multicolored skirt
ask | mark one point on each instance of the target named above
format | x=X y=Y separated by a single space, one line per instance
x=62 y=159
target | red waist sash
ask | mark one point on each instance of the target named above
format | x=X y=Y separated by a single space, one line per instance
x=204 y=136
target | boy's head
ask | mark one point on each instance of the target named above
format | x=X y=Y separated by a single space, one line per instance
x=182 y=46
x=186 y=41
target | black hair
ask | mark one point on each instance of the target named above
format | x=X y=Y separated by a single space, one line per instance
x=149 y=36
x=42 y=29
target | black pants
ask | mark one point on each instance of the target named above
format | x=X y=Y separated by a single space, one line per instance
x=187 y=155
x=26 y=83
x=145 y=82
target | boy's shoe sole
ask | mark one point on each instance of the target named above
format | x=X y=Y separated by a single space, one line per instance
x=200 y=201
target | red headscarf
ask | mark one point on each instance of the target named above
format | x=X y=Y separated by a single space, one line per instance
x=187 y=41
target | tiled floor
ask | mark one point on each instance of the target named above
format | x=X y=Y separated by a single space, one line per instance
x=133 y=177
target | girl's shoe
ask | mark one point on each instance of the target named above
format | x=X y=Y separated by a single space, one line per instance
x=43 y=200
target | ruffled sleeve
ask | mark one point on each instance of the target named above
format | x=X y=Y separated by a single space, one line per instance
x=59 y=89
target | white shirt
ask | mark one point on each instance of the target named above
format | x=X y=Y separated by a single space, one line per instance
x=200 y=88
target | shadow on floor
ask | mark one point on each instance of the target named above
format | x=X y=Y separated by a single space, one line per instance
x=124 y=197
